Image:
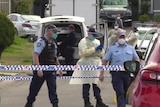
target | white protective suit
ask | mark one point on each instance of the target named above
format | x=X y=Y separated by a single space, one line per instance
x=112 y=36
x=88 y=56
x=133 y=39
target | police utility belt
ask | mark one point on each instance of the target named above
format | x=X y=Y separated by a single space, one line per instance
x=121 y=71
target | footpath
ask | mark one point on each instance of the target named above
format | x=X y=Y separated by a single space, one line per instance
x=7 y=83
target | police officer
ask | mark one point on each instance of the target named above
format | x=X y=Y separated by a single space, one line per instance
x=67 y=45
x=117 y=55
x=45 y=53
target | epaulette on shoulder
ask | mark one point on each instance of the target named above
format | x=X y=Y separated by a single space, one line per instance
x=43 y=38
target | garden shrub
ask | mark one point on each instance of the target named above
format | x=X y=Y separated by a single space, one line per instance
x=144 y=18
x=157 y=18
x=7 y=32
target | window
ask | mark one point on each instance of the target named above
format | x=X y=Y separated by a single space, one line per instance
x=142 y=33
x=13 y=18
x=31 y=18
x=115 y=2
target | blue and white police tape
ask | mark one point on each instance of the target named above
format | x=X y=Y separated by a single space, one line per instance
x=61 y=67
x=58 y=77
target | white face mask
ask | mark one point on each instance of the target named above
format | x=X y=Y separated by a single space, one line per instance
x=118 y=17
x=121 y=41
x=115 y=27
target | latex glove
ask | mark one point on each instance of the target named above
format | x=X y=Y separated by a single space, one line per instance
x=99 y=48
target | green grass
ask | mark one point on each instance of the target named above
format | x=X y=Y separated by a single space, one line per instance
x=19 y=53
x=5 y=75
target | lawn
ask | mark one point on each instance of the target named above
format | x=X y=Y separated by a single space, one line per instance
x=19 y=53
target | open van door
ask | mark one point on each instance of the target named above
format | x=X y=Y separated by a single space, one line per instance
x=103 y=31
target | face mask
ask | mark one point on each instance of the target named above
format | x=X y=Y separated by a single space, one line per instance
x=121 y=41
x=118 y=17
x=115 y=27
x=92 y=38
x=54 y=36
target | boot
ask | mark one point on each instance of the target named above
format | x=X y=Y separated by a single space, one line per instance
x=55 y=104
x=100 y=103
x=28 y=105
x=87 y=103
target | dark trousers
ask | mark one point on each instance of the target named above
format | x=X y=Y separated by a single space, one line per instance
x=96 y=91
x=121 y=82
x=69 y=60
x=37 y=82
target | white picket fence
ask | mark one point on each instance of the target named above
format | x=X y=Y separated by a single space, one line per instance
x=5 y=6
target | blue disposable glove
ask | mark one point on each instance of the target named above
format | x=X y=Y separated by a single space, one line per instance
x=99 y=48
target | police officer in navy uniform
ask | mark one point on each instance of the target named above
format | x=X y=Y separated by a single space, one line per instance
x=117 y=55
x=45 y=53
x=67 y=45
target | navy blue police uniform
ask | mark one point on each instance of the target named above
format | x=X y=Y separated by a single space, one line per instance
x=117 y=55
x=67 y=49
x=47 y=51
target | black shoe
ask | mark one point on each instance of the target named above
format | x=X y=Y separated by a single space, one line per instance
x=88 y=105
x=55 y=104
x=28 y=105
x=101 y=104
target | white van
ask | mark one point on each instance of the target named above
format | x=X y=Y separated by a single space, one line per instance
x=62 y=23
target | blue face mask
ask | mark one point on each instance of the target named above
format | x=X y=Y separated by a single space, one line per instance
x=92 y=38
x=54 y=36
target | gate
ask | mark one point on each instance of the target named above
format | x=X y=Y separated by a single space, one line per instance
x=5 y=6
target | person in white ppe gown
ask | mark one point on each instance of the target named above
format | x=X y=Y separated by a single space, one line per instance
x=90 y=52
x=113 y=34
x=133 y=38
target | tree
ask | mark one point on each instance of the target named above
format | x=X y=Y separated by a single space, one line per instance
x=133 y=2
x=145 y=6
x=37 y=2
x=157 y=18
x=43 y=6
x=135 y=8
x=23 y=6
x=7 y=32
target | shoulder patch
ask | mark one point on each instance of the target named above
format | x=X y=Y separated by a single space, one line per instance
x=39 y=44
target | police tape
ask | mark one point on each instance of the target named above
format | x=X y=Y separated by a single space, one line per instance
x=58 y=77
x=61 y=67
